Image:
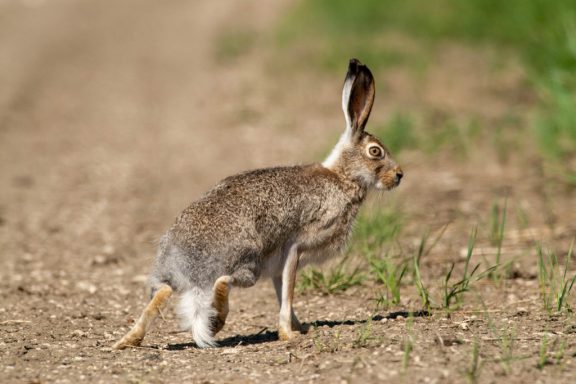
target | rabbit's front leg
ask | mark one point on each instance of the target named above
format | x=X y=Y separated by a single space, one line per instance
x=285 y=329
x=277 y=280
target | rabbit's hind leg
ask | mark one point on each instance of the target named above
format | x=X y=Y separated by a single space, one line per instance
x=221 y=291
x=135 y=336
x=243 y=277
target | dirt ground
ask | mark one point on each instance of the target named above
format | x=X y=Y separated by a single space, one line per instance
x=114 y=117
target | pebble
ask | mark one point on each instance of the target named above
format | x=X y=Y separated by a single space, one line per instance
x=87 y=287
x=79 y=333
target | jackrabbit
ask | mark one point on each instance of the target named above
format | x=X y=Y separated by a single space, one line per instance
x=268 y=222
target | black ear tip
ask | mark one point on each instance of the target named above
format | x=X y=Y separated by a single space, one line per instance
x=354 y=64
x=356 y=68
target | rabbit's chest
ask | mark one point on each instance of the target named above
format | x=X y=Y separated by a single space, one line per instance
x=317 y=241
x=330 y=231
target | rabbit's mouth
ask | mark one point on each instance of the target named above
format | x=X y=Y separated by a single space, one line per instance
x=389 y=180
x=386 y=185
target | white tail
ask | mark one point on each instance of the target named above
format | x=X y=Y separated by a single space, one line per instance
x=196 y=311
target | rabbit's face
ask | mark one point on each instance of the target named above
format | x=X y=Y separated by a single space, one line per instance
x=359 y=155
x=372 y=162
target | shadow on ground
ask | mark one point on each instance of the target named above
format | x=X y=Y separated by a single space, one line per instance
x=266 y=336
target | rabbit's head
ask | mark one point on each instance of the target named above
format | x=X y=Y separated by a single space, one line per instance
x=360 y=156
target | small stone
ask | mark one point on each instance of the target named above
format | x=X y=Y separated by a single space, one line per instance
x=99 y=260
x=79 y=333
x=108 y=249
x=139 y=279
x=86 y=286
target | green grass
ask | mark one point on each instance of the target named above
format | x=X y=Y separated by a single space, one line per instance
x=560 y=353
x=364 y=335
x=555 y=128
x=551 y=353
x=335 y=280
x=375 y=227
x=507 y=341
x=543 y=354
x=497 y=226
x=473 y=371
x=453 y=291
x=555 y=285
x=407 y=344
x=421 y=251
x=390 y=275
x=331 y=345
x=507 y=346
x=423 y=291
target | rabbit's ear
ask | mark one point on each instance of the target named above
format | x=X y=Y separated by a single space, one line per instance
x=357 y=97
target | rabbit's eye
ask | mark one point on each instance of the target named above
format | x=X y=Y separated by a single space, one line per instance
x=375 y=151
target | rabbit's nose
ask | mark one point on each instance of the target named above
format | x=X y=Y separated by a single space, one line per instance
x=399 y=175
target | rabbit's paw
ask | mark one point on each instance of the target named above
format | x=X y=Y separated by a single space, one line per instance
x=217 y=323
x=287 y=334
x=132 y=339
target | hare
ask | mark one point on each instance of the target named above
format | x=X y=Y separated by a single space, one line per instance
x=268 y=222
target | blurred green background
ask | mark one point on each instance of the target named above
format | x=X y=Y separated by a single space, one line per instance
x=537 y=35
